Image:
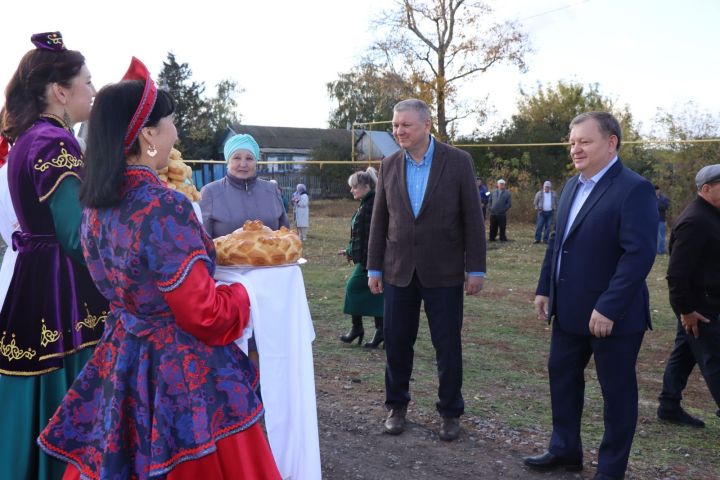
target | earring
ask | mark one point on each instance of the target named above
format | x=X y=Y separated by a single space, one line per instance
x=152 y=151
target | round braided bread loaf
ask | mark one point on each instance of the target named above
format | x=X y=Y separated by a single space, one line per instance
x=257 y=245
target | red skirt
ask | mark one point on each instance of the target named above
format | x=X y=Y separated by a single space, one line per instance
x=245 y=455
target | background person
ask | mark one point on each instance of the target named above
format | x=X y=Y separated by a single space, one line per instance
x=663 y=204
x=359 y=300
x=302 y=210
x=499 y=203
x=239 y=196
x=694 y=285
x=53 y=314
x=186 y=392
x=545 y=203
x=484 y=196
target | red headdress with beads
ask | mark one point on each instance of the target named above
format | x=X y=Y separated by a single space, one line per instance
x=138 y=71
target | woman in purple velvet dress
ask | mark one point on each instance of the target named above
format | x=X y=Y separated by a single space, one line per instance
x=53 y=312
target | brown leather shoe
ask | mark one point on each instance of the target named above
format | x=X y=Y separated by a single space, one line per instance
x=450 y=429
x=395 y=423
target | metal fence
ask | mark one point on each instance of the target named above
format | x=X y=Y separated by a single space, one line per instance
x=325 y=184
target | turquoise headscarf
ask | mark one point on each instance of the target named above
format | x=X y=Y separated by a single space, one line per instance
x=241 y=141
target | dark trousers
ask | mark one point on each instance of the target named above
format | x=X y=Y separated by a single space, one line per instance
x=705 y=351
x=444 y=310
x=615 y=359
x=498 y=221
x=484 y=210
x=544 y=222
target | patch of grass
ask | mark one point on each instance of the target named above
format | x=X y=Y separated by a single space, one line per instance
x=505 y=352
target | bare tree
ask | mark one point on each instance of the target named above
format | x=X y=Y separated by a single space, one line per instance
x=443 y=42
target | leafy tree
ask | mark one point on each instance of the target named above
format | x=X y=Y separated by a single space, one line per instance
x=543 y=116
x=176 y=77
x=331 y=175
x=200 y=121
x=367 y=93
x=676 y=164
x=441 y=43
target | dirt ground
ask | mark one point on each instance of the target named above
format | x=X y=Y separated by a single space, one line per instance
x=353 y=445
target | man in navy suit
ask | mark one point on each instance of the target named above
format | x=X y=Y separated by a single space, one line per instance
x=592 y=283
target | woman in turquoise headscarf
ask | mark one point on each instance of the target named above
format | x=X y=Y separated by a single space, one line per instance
x=227 y=203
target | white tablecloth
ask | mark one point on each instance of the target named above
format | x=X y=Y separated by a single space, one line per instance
x=284 y=333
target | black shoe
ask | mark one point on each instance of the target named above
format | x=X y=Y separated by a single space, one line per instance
x=679 y=416
x=536 y=242
x=355 y=332
x=491 y=239
x=602 y=476
x=377 y=339
x=548 y=461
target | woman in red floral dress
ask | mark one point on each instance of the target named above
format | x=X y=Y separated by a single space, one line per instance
x=167 y=394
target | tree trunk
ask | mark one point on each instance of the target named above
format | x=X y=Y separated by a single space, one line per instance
x=440 y=91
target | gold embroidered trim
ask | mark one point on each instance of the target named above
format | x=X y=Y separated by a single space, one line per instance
x=27 y=374
x=57 y=119
x=48 y=336
x=12 y=351
x=60 y=178
x=64 y=160
x=91 y=321
x=62 y=354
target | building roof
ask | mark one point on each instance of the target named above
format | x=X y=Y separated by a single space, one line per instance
x=293 y=138
x=383 y=143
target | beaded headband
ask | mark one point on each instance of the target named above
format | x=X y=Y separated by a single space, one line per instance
x=51 y=41
x=138 y=71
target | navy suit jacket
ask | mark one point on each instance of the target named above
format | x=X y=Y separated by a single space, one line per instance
x=606 y=256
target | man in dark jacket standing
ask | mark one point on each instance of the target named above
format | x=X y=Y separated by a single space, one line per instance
x=500 y=203
x=694 y=285
x=663 y=206
x=425 y=243
x=592 y=286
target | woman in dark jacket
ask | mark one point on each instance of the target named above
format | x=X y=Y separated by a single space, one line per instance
x=359 y=301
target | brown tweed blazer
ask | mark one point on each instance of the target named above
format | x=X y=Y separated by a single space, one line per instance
x=446 y=239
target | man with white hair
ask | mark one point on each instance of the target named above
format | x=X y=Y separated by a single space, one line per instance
x=545 y=203
x=500 y=203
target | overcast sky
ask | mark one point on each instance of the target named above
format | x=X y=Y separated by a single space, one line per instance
x=644 y=53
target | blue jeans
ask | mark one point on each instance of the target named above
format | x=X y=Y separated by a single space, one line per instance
x=660 y=239
x=544 y=221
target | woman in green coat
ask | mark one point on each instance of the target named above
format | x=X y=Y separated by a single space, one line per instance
x=359 y=301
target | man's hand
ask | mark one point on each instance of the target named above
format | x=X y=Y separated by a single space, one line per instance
x=375 y=284
x=474 y=285
x=541 y=304
x=600 y=325
x=690 y=323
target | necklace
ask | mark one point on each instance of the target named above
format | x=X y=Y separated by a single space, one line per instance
x=59 y=120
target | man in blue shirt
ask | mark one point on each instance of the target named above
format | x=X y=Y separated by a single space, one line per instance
x=425 y=243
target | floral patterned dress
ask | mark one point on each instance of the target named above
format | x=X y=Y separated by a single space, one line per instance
x=153 y=395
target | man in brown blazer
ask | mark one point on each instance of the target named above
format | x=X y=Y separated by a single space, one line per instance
x=427 y=239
